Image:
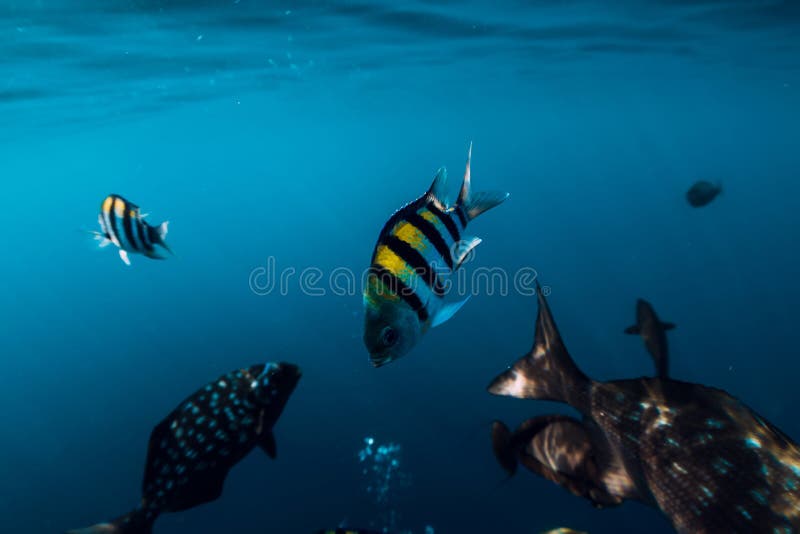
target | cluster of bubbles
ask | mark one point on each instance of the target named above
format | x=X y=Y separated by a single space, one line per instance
x=382 y=470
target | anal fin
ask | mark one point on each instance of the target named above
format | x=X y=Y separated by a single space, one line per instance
x=124 y=256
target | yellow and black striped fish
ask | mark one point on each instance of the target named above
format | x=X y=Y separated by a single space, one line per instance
x=123 y=225
x=419 y=245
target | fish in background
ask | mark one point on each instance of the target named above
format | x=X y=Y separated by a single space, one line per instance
x=342 y=530
x=702 y=457
x=425 y=239
x=654 y=333
x=122 y=224
x=564 y=530
x=191 y=450
x=702 y=193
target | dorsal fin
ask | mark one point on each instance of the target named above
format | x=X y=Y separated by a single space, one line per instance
x=547 y=372
x=438 y=189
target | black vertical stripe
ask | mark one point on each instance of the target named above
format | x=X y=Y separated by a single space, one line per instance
x=398 y=287
x=448 y=222
x=112 y=219
x=142 y=233
x=462 y=217
x=415 y=260
x=128 y=227
x=432 y=234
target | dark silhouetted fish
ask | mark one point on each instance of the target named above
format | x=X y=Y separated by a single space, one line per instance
x=122 y=224
x=707 y=461
x=191 y=451
x=342 y=530
x=654 y=333
x=404 y=295
x=702 y=193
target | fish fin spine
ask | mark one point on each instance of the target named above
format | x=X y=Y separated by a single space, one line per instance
x=474 y=204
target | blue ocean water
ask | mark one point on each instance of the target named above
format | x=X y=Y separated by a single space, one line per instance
x=289 y=132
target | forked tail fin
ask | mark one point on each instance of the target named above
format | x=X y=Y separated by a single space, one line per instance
x=136 y=522
x=473 y=204
x=158 y=235
x=547 y=372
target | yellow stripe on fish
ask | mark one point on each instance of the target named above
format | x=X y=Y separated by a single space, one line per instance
x=411 y=235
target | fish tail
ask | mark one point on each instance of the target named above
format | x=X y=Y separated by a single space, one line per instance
x=158 y=234
x=547 y=372
x=473 y=204
x=136 y=522
x=502 y=447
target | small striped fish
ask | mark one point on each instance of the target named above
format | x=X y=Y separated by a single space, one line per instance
x=404 y=294
x=123 y=225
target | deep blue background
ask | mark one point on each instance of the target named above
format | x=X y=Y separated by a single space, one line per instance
x=293 y=130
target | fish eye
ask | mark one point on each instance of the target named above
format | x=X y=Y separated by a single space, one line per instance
x=389 y=336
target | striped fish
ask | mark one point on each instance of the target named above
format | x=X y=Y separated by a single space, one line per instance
x=123 y=225
x=420 y=244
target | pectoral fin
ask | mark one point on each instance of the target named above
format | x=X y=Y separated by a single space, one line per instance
x=447 y=311
x=667 y=326
x=635 y=330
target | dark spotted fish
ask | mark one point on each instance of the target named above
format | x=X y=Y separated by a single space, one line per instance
x=191 y=451
x=421 y=242
x=654 y=333
x=122 y=224
x=702 y=193
x=706 y=460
